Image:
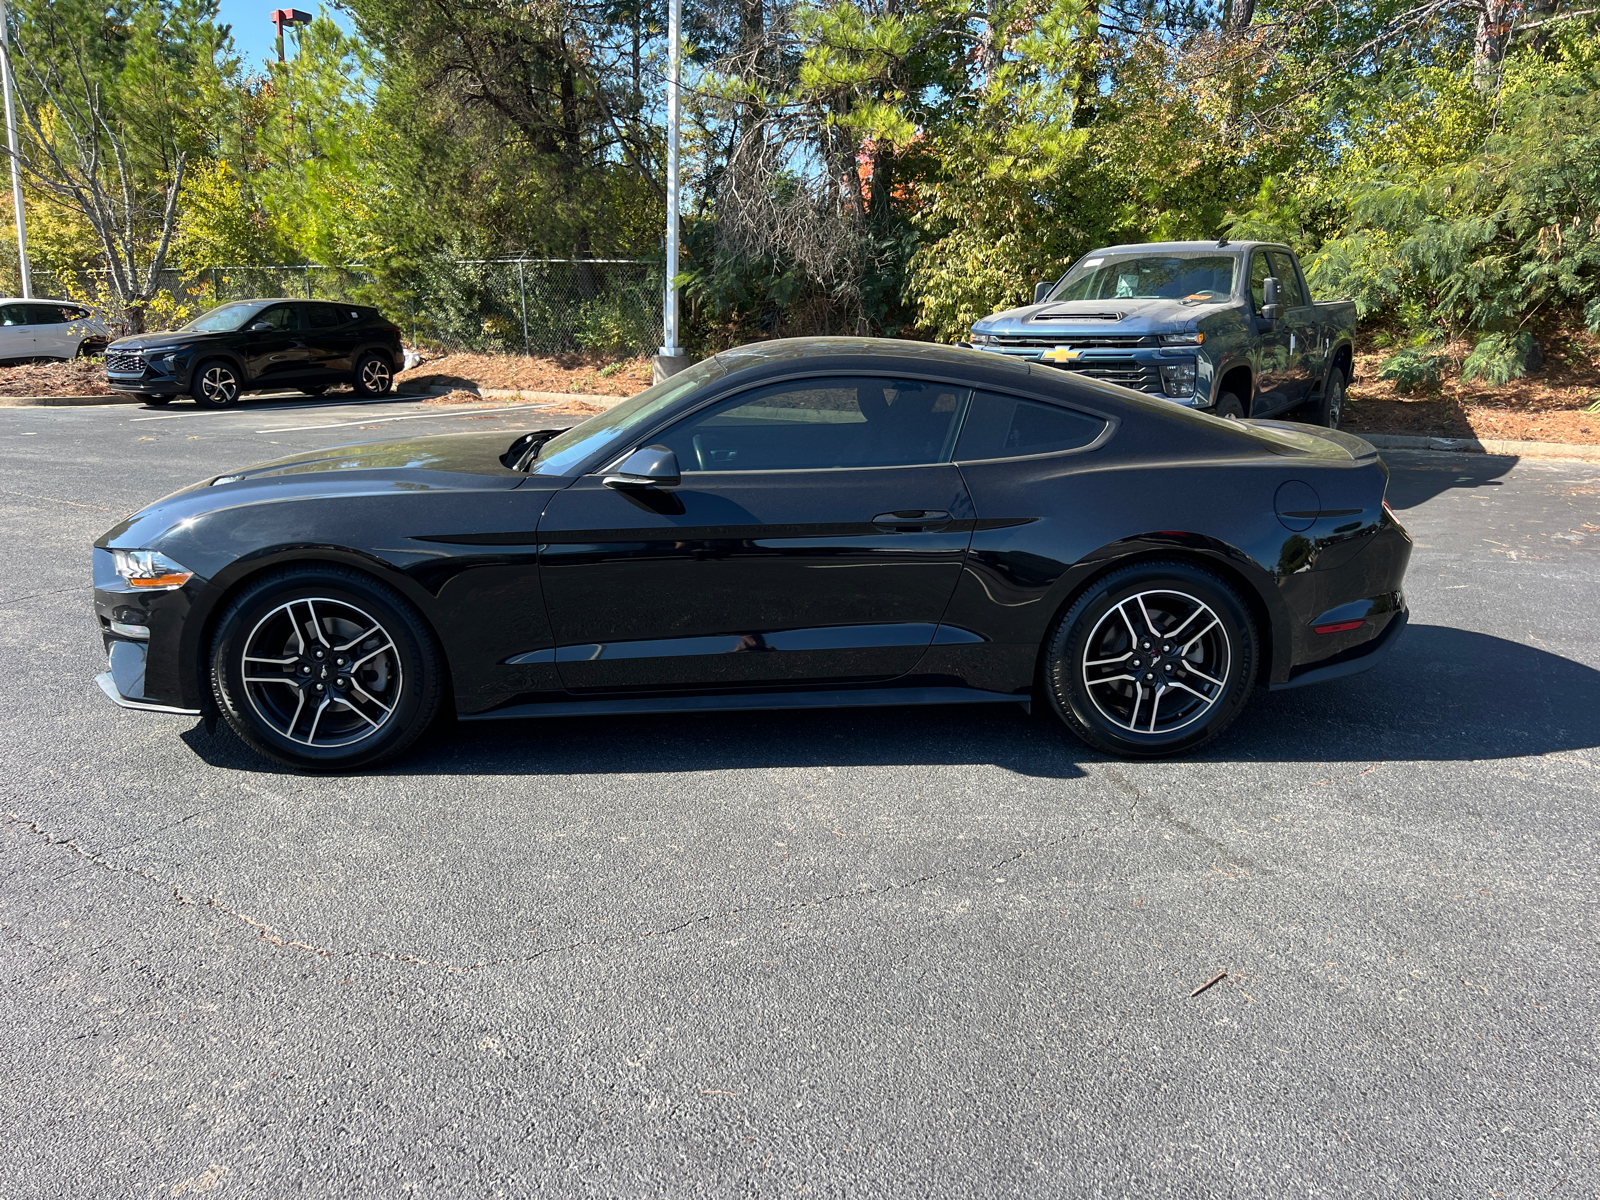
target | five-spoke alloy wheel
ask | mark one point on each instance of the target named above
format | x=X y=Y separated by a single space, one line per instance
x=1151 y=660
x=326 y=669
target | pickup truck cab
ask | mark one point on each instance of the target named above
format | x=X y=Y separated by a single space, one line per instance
x=1226 y=327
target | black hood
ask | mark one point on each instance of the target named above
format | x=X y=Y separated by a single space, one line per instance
x=163 y=339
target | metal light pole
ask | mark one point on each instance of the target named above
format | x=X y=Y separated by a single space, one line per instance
x=23 y=267
x=672 y=358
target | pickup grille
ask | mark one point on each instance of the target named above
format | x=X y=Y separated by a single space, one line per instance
x=125 y=362
x=1129 y=372
x=1076 y=341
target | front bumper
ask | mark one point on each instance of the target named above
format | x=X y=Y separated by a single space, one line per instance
x=1135 y=367
x=124 y=682
x=140 y=375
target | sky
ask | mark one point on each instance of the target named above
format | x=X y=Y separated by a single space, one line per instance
x=255 y=35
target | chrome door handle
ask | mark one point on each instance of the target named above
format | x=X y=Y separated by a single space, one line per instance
x=913 y=520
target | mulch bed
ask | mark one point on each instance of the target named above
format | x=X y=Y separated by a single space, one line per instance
x=583 y=374
x=1545 y=406
x=79 y=377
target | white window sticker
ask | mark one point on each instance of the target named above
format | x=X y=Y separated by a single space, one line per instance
x=1093 y=262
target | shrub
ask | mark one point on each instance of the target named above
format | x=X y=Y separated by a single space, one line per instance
x=1414 y=367
x=1499 y=358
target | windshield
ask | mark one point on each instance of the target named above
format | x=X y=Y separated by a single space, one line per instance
x=562 y=454
x=226 y=319
x=1195 y=277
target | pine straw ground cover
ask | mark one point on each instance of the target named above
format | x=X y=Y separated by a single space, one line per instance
x=78 y=377
x=582 y=374
x=1544 y=406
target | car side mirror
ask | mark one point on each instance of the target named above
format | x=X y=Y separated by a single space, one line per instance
x=650 y=466
x=259 y=327
x=1271 y=309
x=1041 y=290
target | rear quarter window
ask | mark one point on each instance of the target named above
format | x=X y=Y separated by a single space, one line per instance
x=1001 y=426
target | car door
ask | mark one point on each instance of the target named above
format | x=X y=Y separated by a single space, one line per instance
x=1300 y=318
x=330 y=340
x=52 y=334
x=1273 y=369
x=16 y=332
x=816 y=536
x=277 y=354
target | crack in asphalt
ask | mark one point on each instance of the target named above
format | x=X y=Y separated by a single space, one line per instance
x=267 y=935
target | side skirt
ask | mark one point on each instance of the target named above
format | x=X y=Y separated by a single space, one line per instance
x=752 y=701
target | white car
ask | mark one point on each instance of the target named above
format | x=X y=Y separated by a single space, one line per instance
x=48 y=329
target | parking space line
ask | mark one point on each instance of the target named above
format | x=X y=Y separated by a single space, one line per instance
x=256 y=409
x=408 y=417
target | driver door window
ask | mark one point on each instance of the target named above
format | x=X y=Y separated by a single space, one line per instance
x=822 y=424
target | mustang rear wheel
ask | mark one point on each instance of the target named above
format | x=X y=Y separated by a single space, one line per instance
x=1154 y=659
x=325 y=669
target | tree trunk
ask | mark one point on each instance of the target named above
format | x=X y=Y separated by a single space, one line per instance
x=992 y=45
x=1489 y=47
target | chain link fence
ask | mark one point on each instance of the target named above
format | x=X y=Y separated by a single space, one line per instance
x=609 y=307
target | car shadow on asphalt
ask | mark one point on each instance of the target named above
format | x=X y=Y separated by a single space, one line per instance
x=1442 y=695
x=1416 y=478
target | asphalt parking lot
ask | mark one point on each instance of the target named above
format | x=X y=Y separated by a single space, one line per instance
x=921 y=952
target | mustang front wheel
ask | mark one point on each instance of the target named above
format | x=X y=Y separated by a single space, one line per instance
x=323 y=668
x=1152 y=660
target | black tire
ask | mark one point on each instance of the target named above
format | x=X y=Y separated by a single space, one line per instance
x=1209 y=683
x=1329 y=410
x=374 y=375
x=155 y=399
x=361 y=696
x=1229 y=407
x=216 y=384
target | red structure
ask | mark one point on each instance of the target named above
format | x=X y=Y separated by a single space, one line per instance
x=285 y=18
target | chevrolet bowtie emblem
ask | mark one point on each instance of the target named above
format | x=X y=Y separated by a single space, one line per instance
x=1062 y=354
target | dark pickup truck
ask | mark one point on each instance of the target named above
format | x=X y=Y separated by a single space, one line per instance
x=1228 y=327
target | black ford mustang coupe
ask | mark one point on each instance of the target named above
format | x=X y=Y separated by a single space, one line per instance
x=791 y=524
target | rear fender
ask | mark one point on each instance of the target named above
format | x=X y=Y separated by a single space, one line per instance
x=1256 y=585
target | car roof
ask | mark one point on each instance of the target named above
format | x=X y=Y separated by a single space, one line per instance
x=1187 y=247
x=41 y=300
x=927 y=353
x=291 y=300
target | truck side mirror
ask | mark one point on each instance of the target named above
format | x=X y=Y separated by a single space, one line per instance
x=1041 y=290
x=1271 y=310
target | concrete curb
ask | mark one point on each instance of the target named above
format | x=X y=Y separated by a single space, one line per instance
x=62 y=401
x=514 y=394
x=1392 y=441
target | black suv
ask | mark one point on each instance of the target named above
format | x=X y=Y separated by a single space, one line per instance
x=256 y=346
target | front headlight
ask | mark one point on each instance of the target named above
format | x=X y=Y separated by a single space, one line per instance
x=980 y=339
x=1182 y=339
x=1177 y=379
x=150 y=570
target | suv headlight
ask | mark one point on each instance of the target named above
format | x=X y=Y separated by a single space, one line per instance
x=1177 y=379
x=150 y=570
x=980 y=339
x=1182 y=339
